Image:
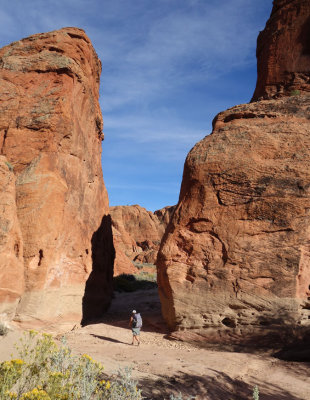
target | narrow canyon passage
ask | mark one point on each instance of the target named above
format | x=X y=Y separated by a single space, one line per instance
x=144 y=301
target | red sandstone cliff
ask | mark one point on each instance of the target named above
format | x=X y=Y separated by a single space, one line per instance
x=234 y=261
x=137 y=234
x=11 y=244
x=51 y=129
x=283 y=51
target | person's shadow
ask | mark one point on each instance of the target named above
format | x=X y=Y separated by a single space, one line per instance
x=109 y=339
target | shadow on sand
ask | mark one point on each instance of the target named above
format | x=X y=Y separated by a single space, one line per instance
x=109 y=339
x=217 y=386
x=298 y=351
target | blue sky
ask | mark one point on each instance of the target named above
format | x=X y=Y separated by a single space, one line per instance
x=169 y=66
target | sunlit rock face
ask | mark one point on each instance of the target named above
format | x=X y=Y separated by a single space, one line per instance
x=137 y=234
x=234 y=263
x=51 y=129
x=11 y=244
x=283 y=51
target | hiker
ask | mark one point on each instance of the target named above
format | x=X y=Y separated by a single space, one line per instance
x=135 y=323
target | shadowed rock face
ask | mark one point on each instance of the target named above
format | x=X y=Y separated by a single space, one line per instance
x=234 y=263
x=51 y=133
x=283 y=51
x=137 y=234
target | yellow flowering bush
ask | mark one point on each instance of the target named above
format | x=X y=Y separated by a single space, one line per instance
x=35 y=394
x=47 y=371
x=10 y=372
x=11 y=395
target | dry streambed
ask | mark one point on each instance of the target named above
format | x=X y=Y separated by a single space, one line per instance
x=163 y=367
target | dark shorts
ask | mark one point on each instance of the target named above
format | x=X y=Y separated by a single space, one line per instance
x=135 y=331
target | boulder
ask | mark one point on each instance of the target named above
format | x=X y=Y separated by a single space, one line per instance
x=51 y=127
x=234 y=263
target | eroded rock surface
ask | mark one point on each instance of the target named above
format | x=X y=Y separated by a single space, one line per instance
x=236 y=253
x=137 y=234
x=234 y=263
x=11 y=244
x=283 y=51
x=51 y=130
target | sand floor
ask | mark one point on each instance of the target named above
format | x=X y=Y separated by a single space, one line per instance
x=163 y=367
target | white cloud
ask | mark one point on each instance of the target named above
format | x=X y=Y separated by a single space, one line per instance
x=187 y=45
x=154 y=53
x=146 y=130
x=148 y=48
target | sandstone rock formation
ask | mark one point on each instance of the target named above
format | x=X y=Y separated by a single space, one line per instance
x=122 y=264
x=283 y=51
x=51 y=133
x=137 y=234
x=11 y=244
x=235 y=259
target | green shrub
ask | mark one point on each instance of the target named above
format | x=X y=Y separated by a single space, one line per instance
x=295 y=92
x=140 y=265
x=180 y=397
x=147 y=276
x=124 y=387
x=131 y=283
x=46 y=371
x=255 y=393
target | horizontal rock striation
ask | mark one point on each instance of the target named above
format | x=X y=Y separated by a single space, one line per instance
x=51 y=133
x=234 y=261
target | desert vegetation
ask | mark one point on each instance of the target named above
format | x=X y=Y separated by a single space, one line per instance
x=3 y=329
x=295 y=92
x=46 y=370
x=144 y=278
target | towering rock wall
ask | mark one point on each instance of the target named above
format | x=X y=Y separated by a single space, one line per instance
x=137 y=234
x=234 y=262
x=51 y=133
x=11 y=244
x=283 y=51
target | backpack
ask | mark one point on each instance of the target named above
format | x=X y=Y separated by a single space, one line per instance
x=137 y=321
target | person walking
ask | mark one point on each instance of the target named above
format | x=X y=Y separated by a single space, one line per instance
x=136 y=324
